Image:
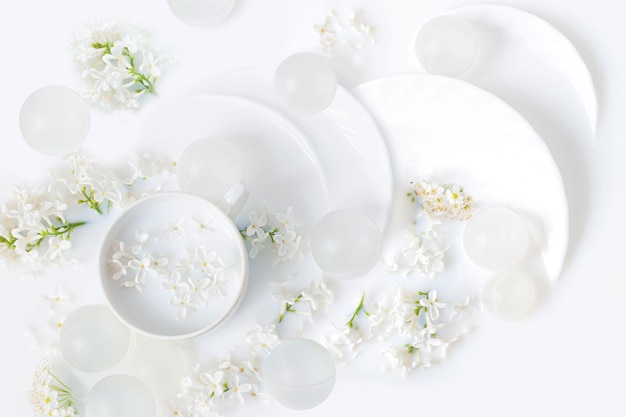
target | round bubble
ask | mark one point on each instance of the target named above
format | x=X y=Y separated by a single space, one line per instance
x=92 y=339
x=299 y=373
x=209 y=168
x=510 y=295
x=447 y=45
x=161 y=363
x=201 y=12
x=346 y=243
x=55 y=120
x=496 y=239
x=306 y=82
x=120 y=395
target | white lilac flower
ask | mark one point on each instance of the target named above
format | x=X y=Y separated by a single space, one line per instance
x=176 y=228
x=469 y=307
x=352 y=32
x=282 y=231
x=236 y=389
x=262 y=338
x=431 y=304
x=56 y=298
x=49 y=395
x=213 y=383
x=181 y=299
x=423 y=253
x=117 y=63
x=447 y=201
x=140 y=239
x=34 y=230
x=257 y=222
x=143 y=267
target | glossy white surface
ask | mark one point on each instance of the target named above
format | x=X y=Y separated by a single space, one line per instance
x=515 y=368
x=447 y=131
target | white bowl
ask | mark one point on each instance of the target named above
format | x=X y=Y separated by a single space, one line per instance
x=151 y=311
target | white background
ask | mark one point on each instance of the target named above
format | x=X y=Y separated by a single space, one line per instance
x=566 y=359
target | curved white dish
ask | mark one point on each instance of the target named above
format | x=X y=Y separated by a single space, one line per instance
x=282 y=168
x=446 y=130
x=349 y=145
x=520 y=29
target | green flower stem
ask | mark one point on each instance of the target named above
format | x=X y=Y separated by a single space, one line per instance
x=65 y=393
x=289 y=308
x=356 y=312
x=89 y=199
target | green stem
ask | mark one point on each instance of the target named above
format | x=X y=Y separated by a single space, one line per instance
x=356 y=312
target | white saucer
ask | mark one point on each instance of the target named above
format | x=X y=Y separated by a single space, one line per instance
x=350 y=147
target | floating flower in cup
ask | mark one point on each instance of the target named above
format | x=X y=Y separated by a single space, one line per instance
x=191 y=276
x=117 y=62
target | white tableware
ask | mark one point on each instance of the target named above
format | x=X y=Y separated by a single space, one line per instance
x=347 y=142
x=448 y=131
x=279 y=164
x=514 y=41
x=212 y=168
x=146 y=295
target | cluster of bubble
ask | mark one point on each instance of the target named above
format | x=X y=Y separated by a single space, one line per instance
x=496 y=239
x=93 y=340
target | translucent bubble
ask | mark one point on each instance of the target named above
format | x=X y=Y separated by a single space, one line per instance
x=161 y=363
x=447 y=45
x=201 y=12
x=92 y=339
x=120 y=396
x=299 y=373
x=306 y=82
x=54 y=120
x=496 y=239
x=209 y=168
x=510 y=295
x=346 y=243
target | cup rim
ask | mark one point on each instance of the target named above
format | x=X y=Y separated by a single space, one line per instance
x=226 y=222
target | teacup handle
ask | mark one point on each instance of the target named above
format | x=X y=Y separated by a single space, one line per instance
x=234 y=200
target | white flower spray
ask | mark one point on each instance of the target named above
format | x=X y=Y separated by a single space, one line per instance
x=117 y=62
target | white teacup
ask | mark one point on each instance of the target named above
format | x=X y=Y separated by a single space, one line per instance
x=174 y=266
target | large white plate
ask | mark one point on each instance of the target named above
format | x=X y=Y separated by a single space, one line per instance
x=445 y=130
x=520 y=52
x=346 y=139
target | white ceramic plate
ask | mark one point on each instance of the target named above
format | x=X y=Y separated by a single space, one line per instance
x=515 y=44
x=448 y=131
x=350 y=147
x=282 y=168
x=149 y=310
